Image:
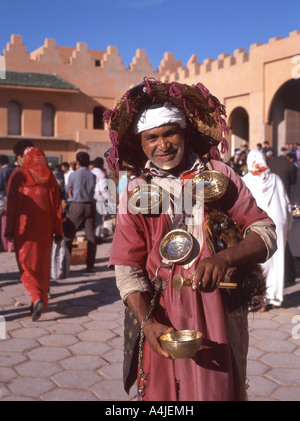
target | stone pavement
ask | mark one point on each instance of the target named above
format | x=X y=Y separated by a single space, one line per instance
x=74 y=352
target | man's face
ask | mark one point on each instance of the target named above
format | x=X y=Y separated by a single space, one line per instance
x=164 y=146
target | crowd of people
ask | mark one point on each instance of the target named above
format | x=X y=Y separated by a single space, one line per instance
x=274 y=182
x=43 y=209
x=157 y=131
x=238 y=162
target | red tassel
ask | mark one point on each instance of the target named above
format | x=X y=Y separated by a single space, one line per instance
x=174 y=91
x=110 y=115
x=203 y=89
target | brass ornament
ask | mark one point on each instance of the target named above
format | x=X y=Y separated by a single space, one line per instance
x=179 y=281
x=214 y=185
x=176 y=246
x=145 y=199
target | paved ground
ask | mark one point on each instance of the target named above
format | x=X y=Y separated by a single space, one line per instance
x=74 y=352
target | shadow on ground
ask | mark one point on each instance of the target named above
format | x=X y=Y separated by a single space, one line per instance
x=75 y=296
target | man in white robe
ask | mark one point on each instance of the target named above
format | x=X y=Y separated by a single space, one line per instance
x=271 y=196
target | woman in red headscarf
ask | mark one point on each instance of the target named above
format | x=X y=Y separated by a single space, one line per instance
x=33 y=218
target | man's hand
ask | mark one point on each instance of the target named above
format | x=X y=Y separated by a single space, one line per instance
x=210 y=272
x=139 y=303
x=152 y=332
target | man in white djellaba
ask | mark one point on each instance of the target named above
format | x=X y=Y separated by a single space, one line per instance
x=271 y=196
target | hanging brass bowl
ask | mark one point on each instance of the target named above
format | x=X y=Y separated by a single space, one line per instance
x=214 y=185
x=181 y=344
x=176 y=246
x=145 y=199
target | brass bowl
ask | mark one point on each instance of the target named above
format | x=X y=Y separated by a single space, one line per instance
x=145 y=199
x=176 y=246
x=214 y=185
x=181 y=344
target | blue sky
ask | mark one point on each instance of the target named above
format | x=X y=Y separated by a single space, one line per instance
x=183 y=27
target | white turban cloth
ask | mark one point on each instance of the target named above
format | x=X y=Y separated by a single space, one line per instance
x=159 y=115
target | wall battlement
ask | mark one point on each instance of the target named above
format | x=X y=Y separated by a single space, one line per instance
x=247 y=82
x=169 y=67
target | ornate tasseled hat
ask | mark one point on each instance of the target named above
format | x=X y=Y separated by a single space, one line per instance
x=204 y=114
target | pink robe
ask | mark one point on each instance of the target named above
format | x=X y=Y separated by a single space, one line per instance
x=211 y=374
x=34 y=216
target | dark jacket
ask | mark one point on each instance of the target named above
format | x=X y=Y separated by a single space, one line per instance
x=286 y=170
x=5 y=173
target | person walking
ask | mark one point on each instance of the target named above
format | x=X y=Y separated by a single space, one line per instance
x=67 y=170
x=101 y=187
x=5 y=171
x=271 y=196
x=285 y=169
x=81 y=213
x=33 y=222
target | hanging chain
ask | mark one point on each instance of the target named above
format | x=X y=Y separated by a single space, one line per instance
x=143 y=375
x=159 y=286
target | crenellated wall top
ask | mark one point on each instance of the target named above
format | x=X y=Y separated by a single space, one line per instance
x=51 y=54
x=81 y=55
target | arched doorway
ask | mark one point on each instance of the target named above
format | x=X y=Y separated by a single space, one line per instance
x=98 y=123
x=284 y=115
x=239 y=125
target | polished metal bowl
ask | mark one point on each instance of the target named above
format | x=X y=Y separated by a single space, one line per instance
x=145 y=199
x=176 y=246
x=181 y=344
x=214 y=185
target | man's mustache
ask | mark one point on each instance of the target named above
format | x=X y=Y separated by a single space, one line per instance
x=167 y=152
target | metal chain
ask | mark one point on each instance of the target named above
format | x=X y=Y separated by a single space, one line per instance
x=159 y=285
x=158 y=289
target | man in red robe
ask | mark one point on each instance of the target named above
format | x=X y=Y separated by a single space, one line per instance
x=33 y=221
x=169 y=133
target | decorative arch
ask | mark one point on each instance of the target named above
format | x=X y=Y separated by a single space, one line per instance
x=284 y=114
x=14 y=114
x=48 y=116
